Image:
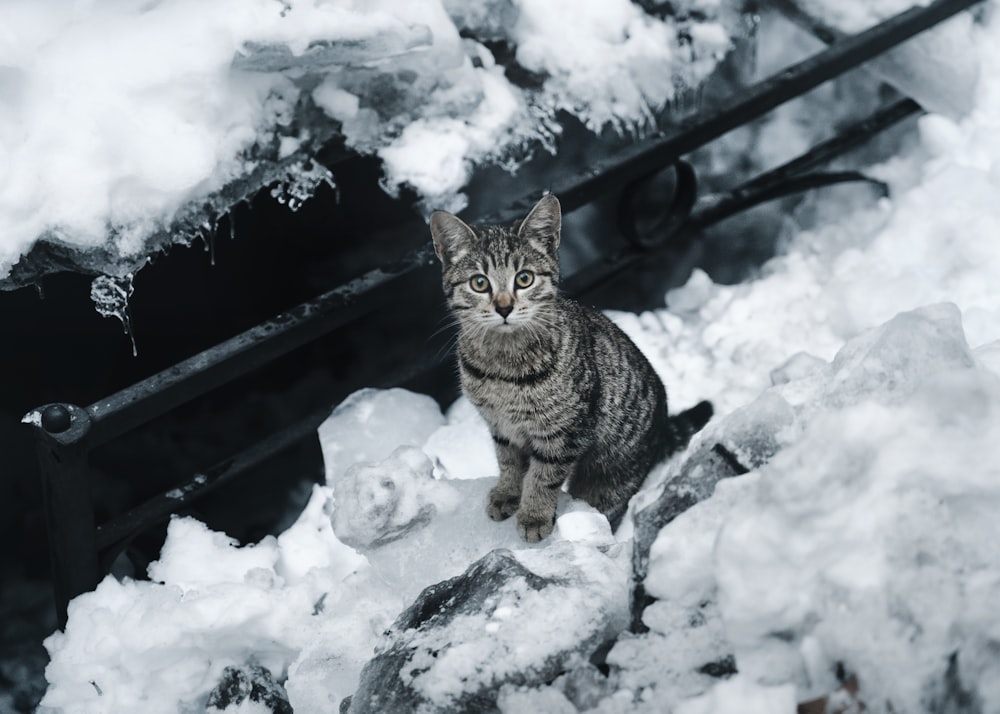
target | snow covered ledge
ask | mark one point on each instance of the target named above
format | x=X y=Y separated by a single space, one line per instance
x=117 y=138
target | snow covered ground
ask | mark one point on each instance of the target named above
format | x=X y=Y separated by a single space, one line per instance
x=864 y=550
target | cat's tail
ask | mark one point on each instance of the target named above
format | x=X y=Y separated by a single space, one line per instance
x=689 y=422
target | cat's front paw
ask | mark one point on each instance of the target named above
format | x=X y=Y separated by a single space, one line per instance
x=502 y=504
x=533 y=529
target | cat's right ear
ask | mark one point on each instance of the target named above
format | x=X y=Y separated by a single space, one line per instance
x=542 y=224
x=451 y=236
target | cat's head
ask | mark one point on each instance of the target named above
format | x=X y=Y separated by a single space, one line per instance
x=499 y=278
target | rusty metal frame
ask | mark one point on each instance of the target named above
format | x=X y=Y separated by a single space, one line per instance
x=82 y=550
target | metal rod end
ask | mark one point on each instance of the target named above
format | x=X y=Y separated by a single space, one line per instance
x=56 y=418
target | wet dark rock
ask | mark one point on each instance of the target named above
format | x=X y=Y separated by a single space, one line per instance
x=253 y=682
x=720 y=668
x=431 y=630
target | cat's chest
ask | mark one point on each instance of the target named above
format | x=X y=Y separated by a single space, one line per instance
x=515 y=413
x=537 y=399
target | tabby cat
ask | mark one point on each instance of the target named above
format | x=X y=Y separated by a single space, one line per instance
x=565 y=392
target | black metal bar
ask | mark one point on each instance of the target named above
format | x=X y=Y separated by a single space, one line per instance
x=671 y=217
x=743 y=199
x=714 y=208
x=243 y=353
x=116 y=534
x=62 y=445
x=848 y=138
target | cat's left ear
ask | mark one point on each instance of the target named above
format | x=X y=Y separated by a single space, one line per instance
x=542 y=225
x=451 y=236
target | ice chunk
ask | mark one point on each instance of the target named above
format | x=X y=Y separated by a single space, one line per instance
x=463 y=448
x=111 y=296
x=458 y=533
x=376 y=503
x=485 y=19
x=891 y=360
x=371 y=423
x=798 y=366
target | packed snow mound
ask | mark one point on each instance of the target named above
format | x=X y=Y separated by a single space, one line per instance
x=863 y=544
x=382 y=502
x=115 y=132
x=306 y=605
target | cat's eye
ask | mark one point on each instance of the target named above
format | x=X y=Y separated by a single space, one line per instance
x=479 y=283
x=524 y=279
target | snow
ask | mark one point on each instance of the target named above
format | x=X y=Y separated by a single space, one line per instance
x=741 y=695
x=858 y=376
x=122 y=117
x=370 y=424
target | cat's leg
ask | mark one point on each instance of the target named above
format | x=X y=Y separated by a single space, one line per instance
x=537 y=514
x=506 y=495
x=608 y=488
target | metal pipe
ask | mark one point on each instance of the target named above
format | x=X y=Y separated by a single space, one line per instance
x=62 y=446
x=771 y=184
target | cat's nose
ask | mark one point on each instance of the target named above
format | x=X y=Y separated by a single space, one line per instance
x=503 y=303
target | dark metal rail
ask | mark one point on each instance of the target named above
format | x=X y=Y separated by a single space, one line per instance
x=65 y=434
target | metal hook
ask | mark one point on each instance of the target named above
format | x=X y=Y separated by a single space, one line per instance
x=669 y=217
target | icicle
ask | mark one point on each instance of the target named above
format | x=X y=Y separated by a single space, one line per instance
x=110 y=295
x=301 y=182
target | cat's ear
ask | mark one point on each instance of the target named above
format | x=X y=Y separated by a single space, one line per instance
x=451 y=236
x=542 y=225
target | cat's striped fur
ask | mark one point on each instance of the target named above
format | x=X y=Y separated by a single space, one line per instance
x=566 y=394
